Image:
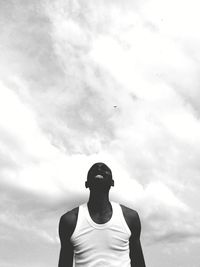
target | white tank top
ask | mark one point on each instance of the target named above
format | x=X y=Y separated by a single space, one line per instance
x=105 y=245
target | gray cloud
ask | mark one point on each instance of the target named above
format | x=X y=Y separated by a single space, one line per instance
x=25 y=229
x=29 y=226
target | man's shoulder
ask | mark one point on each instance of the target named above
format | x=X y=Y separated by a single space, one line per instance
x=70 y=216
x=130 y=213
x=132 y=218
x=68 y=220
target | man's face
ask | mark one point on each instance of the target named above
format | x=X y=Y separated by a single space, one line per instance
x=99 y=177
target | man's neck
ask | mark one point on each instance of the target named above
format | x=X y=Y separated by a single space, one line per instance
x=99 y=203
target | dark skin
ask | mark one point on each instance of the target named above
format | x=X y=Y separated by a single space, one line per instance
x=100 y=210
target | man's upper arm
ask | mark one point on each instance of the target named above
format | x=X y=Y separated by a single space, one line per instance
x=136 y=254
x=66 y=227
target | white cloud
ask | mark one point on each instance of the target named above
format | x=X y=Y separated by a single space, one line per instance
x=85 y=81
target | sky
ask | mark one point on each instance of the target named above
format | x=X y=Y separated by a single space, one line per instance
x=88 y=81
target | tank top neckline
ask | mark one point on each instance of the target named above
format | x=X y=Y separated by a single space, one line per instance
x=99 y=225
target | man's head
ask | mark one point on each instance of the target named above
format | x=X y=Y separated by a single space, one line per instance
x=99 y=177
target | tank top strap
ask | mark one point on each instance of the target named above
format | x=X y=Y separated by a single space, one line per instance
x=118 y=213
x=79 y=221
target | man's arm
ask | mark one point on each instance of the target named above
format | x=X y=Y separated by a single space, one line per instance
x=136 y=254
x=66 y=227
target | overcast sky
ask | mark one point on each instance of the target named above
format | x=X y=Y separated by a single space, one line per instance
x=86 y=81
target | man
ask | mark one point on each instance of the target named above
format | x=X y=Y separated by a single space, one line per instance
x=100 y=232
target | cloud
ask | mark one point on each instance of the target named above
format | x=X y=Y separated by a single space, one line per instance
x=26 y=228
x=83 y=82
